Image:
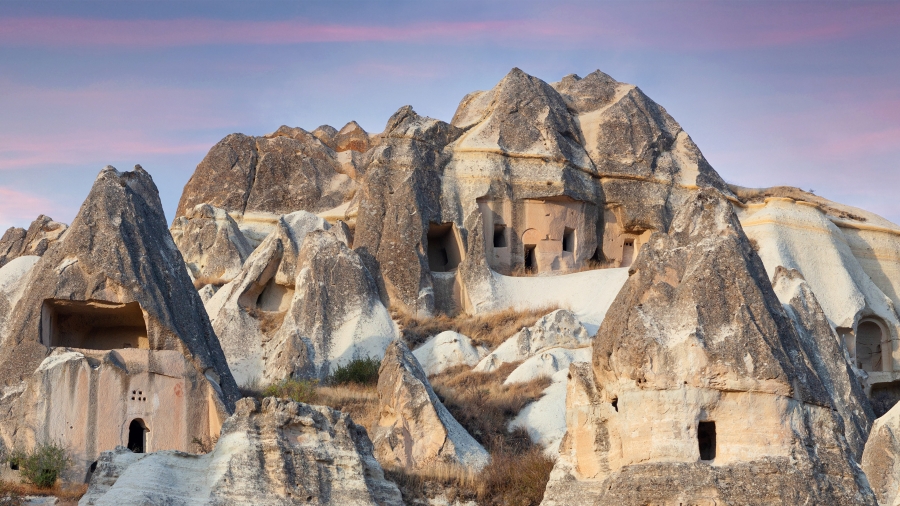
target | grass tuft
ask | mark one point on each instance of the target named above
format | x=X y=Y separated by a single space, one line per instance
x=296 y=390
x=360 y=371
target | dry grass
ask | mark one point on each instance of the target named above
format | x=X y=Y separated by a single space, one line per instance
x=484 y=406
x=68 y=494
x=359 y=401
x=489 y=329
x=269 y=321
x=510 y=479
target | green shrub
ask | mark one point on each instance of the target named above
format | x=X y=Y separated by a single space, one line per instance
x=43 y=465
x=294 y=389
x=362 y=371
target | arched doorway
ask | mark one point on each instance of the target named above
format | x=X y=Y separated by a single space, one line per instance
x=870 y=334
x=137 y=436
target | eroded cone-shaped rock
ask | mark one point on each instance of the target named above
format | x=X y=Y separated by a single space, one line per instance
x=286 y=171
x=415 y=430
x=211 y=243
x=351 y=138
x=276 y=453
x=700 y=388
x=881 y=459
x=400 y=198
x=108 y=338
x=40 y=235
x=559 y=329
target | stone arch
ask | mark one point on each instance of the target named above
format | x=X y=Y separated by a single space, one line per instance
x=871 y=335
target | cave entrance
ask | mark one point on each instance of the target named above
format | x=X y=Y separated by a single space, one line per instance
x=869 y=335
x=530 y=261
x=568 y=240
x=137 y=436
x=500 y=236
x=94 y=325
x=444 y=249
x=628 y=252
x=706 y=439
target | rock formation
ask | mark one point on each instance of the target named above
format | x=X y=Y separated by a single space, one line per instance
x=699 y=378
x=415 y=430
x=559 y=329
x=40 y=235
x=211 y=243
x=274 y=453
x=109 y=332
x=881 y=459
x=302 y=304
x=445 y=350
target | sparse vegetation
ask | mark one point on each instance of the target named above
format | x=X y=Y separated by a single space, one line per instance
x=488 y=329
x=41 y=466
x=294 y=389
x=359 y=401
x=361 y=371
x=13 y=494
x=269 y=321
x=205 y=444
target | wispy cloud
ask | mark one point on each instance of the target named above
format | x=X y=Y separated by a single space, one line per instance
x=17 y=207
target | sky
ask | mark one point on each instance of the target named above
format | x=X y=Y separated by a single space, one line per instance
x=773 y=93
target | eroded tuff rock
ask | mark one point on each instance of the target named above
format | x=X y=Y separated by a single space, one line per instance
x=274 y=453
x=700 y=388
x=286 y=171
x=415 y=430
x=302 y=304
x=13 y=280
x=211 y=243
x=108 y=329
x=881 y=459
x=40 y=235
x=400 y=198
x=559 y=329
x=447 y=349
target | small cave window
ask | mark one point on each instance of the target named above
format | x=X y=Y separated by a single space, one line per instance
x=615 y=404
x=568 y=241
x=706 y=439
x=444 y=250
x=137 y=436
x=869 y=336
x=500 y=236
x=628 y=252
x=530 y=261
x=94 y=325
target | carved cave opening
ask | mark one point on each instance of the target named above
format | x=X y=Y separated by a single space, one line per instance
x=137 y=436
x=530 y=262
x=706 y=439
x=92 y=324
x=500 y=240
x=568 y=240
x=444 y=249
x=627 y=252
x=869 y=336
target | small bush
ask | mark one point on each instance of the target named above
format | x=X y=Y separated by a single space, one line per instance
x=362 y=371
x=296 y=390
x=43 y=465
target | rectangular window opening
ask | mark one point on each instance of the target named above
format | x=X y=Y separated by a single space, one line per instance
x=568 y=240
x=530 y=263
x=500 y=236
x=706 y=439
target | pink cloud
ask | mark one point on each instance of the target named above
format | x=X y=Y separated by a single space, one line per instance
x=18 y=208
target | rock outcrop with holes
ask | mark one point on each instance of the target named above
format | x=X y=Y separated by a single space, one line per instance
x=559 y=329
x=274 y=453
x=881 y=459
x=211 y=243
x=302 y=304
x=399 y=200
x=112 y=290
x=699 y=378
x=40 y=235
x=415 y=430
x=286 y=171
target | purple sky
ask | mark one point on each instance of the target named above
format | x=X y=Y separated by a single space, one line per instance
x=782 y=93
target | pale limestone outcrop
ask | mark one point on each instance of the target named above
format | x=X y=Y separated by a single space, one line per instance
x=13 y=280
x=559 y=329
x=849 y=257
x=302 y=304
x=415 y=430
x=881 y=459
x=545 y=418
x=211 y=243
x=445 y=350
x=112 y=288
x=700 y=378
x=274 y=453
x=547 y=363
x=17 y=242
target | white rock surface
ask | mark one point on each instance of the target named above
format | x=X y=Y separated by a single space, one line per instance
x=559 y=329
x=881 y=458
x=547 y=363
x=13 y=279
x=278 y=453
x=545 y=419
x=445 y=350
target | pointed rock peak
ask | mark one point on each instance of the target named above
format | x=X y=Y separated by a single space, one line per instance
x=292 y=132
x=589 y=93
x=352 y=137
x=326 y=134
x=351 y=126
x=406 y=123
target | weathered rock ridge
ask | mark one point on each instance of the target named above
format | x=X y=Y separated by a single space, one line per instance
x=274 y=453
